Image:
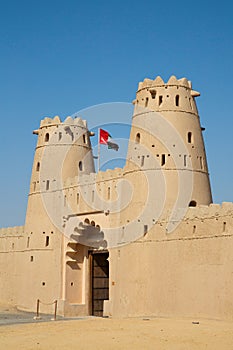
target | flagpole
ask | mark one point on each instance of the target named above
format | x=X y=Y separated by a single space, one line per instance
x=98 y=167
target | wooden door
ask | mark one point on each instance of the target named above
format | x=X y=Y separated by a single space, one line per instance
x=100 y=282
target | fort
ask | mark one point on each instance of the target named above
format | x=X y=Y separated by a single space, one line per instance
x=142 y=240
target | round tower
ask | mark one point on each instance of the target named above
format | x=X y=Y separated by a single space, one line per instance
x=166 y=136
x=63 y=151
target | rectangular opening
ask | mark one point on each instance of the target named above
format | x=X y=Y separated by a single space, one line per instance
x=163 y=159
x=47 y=185
x=201 y=162
x=47 y=241
x=100 y=282
x=142 y=160
x=224 y=226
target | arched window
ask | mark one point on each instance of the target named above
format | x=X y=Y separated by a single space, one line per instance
x=137 y=139
x=80 y=165
x=38 y=166
x=46 y=138
x=160 y=100
x=190 y=137
x=177 y=100
x=87 y=221
x=146 y=103
x=193 y=204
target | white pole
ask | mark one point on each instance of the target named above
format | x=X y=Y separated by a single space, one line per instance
x=98 y=150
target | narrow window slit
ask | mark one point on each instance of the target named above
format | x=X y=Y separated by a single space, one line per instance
x=163 y=159
x=160 y=100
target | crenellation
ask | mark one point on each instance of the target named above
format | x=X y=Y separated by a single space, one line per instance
x=159 y=82
x=12 y=231
x=228 y=206
x=173 y=81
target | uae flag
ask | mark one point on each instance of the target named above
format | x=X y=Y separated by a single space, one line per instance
x=104 y=140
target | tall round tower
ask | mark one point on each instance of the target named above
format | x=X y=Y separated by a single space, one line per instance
x=166 y=136
x=63 y=151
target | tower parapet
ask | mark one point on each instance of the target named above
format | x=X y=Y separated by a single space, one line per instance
x=176 y=94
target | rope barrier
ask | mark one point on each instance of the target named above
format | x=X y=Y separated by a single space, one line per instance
x=47 y=303
x=38 y=309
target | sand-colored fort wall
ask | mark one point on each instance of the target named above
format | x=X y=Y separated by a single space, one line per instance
x=184 y=273
x=12 y=247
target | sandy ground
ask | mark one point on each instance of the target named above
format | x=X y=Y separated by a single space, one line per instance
x=100 y=333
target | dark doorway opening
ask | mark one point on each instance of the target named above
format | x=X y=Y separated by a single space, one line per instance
x=100 y=282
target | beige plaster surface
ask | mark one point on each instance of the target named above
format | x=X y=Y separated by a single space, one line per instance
x=175 y=334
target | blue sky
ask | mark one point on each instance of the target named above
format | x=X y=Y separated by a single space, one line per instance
x=58 y=57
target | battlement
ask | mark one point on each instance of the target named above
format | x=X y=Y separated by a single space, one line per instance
x=92 y=178
x=202 y=212
x=159 y=82
x=12 y=231
x=211 y=210
x=57 y=121
x=175 y=94
x=79 y=180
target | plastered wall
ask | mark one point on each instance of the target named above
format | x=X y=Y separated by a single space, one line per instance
x=186 y=273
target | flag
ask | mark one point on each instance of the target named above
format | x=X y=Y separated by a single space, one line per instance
x=103 y=139
x=104 y=135
x=112 y=145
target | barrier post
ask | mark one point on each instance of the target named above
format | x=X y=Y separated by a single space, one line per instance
x=55 y=311
x=37 y=317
